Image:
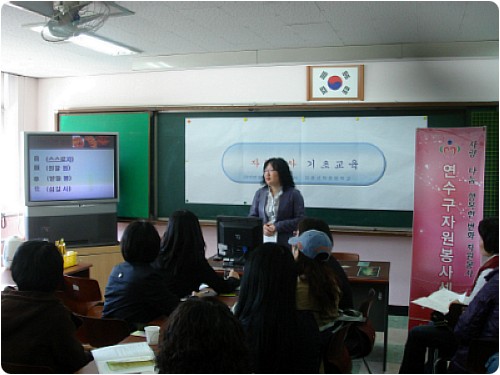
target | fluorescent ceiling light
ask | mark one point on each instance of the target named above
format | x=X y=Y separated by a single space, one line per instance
x=102 y=45
x=97 y=43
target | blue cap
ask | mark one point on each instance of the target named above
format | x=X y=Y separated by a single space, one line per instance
x=312 y=243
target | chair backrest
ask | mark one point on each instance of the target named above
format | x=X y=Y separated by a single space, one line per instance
x=99 y=332
x=366 y=305
x=361 y=337
x=82 y=289
x=20 y=368
x=96 y=311
x=80 y=294
x=346 y=256
x=336 y=357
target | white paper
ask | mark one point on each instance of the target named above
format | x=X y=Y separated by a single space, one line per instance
x=270 y=238
x=439 y=300
x=124 y=356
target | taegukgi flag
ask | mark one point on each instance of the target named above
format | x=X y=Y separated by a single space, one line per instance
x=338 y=83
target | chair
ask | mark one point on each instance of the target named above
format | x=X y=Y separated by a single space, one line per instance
x=365 y=332
x=20 y=368
x=96 y=311
x=80 y=294
x=99 y=332
x=438 y=359
x=336 y=359
x=346 y=256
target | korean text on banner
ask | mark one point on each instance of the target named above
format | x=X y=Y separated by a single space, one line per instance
x=448 y=206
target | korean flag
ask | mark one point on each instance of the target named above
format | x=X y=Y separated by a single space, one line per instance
x=336 y=83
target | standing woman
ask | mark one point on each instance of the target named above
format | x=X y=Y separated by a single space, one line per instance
x=182 y=258
x=278 y=203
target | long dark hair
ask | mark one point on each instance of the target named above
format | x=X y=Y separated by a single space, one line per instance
x=323 y=282
x=323 y=285
x=203 y=336
x=281 y=166
x=267 y=307
x=182 y=244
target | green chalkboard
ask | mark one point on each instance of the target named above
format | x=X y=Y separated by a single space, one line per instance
x=134 y=154
x=171 y=162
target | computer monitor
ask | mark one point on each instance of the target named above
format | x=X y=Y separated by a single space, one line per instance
x=237 y=236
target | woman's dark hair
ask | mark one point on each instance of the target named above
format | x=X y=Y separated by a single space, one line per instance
x=308 y=223
x=182 y=244
x=322 y=280
x=488 y=230
x=323 y=285
x=267 y=307
x=37 y=266
x=281 y=166
x=202 y=336
x=140 y=242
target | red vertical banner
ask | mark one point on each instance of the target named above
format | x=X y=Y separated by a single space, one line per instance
x=448 y=206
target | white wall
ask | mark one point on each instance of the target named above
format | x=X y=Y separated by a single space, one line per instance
x=469 y=80
x=385 y=82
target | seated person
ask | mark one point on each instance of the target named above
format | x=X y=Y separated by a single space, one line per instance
x=346 y=301
x=182 y=260
x=317 y=288
x=442 y=338
x=202 y=336
x=479 y=320
x=488 y=247
x=37 y=329
x=136 y=292
x=281 y=338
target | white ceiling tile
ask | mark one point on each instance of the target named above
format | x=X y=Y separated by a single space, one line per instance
x=166 y=28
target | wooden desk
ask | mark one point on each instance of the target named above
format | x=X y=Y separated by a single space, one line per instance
x=80 y=270
x=360 y=285
x=91 y=367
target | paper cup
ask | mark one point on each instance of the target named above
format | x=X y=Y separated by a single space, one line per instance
x=152 y=334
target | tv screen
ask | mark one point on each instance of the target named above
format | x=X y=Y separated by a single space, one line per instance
x=237 y=236
x=70 y=168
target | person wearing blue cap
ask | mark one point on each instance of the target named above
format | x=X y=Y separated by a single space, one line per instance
x=346 y=300
x=317 y=285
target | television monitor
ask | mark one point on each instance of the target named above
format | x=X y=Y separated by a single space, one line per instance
x=70 y=168
x=237 y=236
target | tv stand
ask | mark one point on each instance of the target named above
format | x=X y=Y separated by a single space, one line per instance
x=79 y=225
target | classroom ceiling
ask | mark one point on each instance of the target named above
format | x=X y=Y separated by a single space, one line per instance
x=197 y=34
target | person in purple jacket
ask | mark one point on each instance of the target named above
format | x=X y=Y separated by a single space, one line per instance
x=278 y=203
x=479 y=320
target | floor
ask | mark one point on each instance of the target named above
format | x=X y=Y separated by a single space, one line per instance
x=398 y=330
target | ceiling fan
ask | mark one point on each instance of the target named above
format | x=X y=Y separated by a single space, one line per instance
x=67 y=19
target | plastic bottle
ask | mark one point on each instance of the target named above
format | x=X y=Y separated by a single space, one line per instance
x=62 y=246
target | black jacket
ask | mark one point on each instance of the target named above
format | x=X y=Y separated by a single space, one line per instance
x=137 y=293
x=38 y=330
